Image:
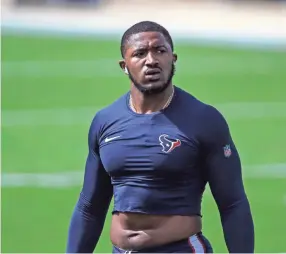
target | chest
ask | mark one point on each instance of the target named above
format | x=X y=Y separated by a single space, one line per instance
x=152 y=148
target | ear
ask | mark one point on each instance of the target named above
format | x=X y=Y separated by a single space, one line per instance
x=175 y=57
x=122 y=65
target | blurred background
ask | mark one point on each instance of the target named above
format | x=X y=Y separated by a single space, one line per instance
x=60 y=66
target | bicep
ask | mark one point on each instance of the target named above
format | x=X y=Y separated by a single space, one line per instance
x=223 y=165
x=225 y=178
x=97 y=188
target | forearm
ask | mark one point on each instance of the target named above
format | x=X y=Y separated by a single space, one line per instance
x=85 y=229
x=238 y=227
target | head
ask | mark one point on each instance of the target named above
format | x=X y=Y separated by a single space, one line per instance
x=148 y=58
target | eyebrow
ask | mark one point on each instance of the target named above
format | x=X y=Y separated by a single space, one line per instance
x=144 y=47
x=160 y=46
x=140 y=48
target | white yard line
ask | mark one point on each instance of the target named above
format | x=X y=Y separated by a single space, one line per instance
x=75 y=178
x=69 y=116
x=252 y=110
x=196 y=66
x=36 y=117
x=277 y=170
x=66 y=68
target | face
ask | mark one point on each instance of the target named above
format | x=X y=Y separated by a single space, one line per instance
x=150 y=62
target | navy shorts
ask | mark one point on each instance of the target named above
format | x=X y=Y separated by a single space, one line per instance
x=194 y=244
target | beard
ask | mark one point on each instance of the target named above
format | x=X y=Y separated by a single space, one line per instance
x=153 y=90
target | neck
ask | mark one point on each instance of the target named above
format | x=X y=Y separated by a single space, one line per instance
x=146 y=104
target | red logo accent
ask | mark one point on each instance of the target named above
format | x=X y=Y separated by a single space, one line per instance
x=227 y=151
x=168 y=144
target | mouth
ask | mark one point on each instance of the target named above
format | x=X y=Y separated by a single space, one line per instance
x=153 y=74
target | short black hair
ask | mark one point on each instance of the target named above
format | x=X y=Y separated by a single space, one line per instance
x=144 y=26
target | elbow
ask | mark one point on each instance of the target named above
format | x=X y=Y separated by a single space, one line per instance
x=233 y=204
x=90 y=209
x=84 y=206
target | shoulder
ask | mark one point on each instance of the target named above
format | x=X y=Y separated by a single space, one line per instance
x=108 y=114
x=209 y=121
x=111 y=111
x=203 y=112
x=211 y=115
x=214 y=126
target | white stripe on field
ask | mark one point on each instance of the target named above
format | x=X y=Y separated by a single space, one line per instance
x=69 y=116
x=75 y=178
x=277 y=170
x=252 y=110
x=42 y=69
x=60 y=116
x=107 y=67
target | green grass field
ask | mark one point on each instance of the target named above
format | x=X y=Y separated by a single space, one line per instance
x=52 y=87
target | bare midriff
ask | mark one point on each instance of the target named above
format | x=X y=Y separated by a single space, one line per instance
x=134 y=231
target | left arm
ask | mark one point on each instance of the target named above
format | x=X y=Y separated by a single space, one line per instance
x=226 y=184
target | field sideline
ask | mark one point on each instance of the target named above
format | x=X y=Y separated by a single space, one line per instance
x=70 y=178
x=51 y=89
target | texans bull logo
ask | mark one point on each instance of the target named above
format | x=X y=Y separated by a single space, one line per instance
x=168 y=144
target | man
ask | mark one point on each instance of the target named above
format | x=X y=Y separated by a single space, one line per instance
x=154 y=150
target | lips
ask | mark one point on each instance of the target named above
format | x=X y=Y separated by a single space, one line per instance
x=152 y=72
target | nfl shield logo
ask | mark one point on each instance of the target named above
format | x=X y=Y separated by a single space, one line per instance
x=227 y=151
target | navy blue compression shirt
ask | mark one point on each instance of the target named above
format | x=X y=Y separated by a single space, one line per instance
x=159 y=164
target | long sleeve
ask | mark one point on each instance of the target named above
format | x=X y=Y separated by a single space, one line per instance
x=90 y=211
x=225 y=180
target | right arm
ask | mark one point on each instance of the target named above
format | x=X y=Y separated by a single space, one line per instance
x=90 y=211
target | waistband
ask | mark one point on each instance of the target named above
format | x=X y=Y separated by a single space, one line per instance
x=194 y=244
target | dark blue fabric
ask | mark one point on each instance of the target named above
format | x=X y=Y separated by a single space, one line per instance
x=160 y=163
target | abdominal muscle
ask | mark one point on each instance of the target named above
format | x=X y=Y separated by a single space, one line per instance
x=134 y=231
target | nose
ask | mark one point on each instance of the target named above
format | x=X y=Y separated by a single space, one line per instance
x=151 y=61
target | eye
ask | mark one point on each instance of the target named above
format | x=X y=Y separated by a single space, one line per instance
x=161 y=51
x=139 y=54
